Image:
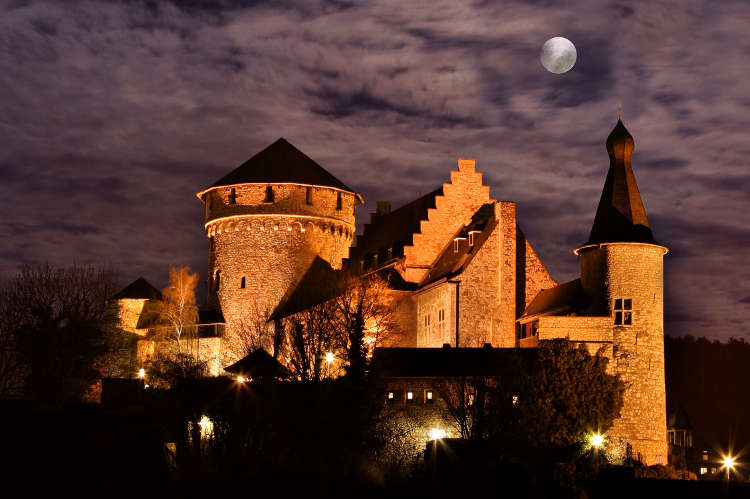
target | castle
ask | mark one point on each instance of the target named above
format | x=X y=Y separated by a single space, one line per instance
x=464 y=273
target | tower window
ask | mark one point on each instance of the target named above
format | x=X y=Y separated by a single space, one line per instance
x=623 y=311
x=233 y=196
x=410 y=396
x=308 y=195
x=428 y=396
x=217 y=280
x=269 y=194
x=242 y=282
x=211 y=245
x=338 y=200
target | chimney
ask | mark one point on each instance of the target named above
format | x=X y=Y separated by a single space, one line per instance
x=382 y=207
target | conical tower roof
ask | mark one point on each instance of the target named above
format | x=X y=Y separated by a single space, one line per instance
x=621 y=216
x=280 y=163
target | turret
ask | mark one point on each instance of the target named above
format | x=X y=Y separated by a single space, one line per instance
x=622 y=276
x=266 y=221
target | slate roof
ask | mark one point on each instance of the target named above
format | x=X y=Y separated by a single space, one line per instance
x=138 y=289
x=280 y=163
x=258 y=364
x=621 y=216
x=451 y=262
x=448 y=361
x=394 y=229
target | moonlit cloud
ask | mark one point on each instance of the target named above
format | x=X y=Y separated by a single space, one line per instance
x=113 y=114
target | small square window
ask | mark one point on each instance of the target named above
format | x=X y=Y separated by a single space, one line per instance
x=623 y=311
x=704 y=470
x=429 y=397
x=410 y=396
x=391 y=395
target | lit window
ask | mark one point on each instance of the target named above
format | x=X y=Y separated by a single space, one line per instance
x=470 y=399
x=269 y=194
x=338 y=200
x=308 y=195
x=242 y=283
x=705 y=457
x=391 y=395
x=515 y=399
x=623 y=311
x=410 y=396
x=428 y=396
x=233 y=196
x=704 y=470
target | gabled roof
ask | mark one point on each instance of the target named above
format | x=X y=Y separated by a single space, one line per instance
x=451 y=262
x=138 y=289
x=621 y=216
x=280 y=163
x=448 y=361
x=258 y=364
x=395 y=228
x=563 y=299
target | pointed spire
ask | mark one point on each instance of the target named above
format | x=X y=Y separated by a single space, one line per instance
x=621 y=216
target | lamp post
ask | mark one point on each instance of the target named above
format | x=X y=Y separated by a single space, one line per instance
x=728 y=464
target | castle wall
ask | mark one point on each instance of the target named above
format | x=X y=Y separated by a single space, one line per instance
x=634 y=271
x=431 y=331
x=271 y=246
x=129 y=312
x=594 y=332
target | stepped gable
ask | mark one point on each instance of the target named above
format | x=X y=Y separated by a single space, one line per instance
x=621 y=216
x=280 y=163
x=394 y=229
x=451 y=262
x=461 y=198
x=140 y=289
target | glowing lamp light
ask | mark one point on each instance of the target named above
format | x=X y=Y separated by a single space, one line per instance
x=241 y=379
x=141 y=373
x=729 y=462
x=436 y=433
x=596 y=440
x=329 y=357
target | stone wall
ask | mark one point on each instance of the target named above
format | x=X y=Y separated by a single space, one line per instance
x=634 y=271
x=129 y=313
x=431 y=331
x=209 y=350
x=260 y=251
x=461 y=198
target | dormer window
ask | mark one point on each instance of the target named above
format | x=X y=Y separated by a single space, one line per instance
x=472 y=235
x=233 y=196
x=623 y=309
x=308 y=195
x=338 y=201
x=269 y=194
x=457 y=243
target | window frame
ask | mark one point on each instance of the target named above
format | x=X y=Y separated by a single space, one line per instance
x=622 y=311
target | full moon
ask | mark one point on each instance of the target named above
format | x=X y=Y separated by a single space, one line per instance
x=558 y=55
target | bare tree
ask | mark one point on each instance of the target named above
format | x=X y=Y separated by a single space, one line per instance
x=466 y=400
x=311 y=335
x=252 y=332
x=177 y=311
x=55 y=319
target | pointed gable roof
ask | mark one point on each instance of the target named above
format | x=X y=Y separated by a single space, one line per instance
x=138 y=289
x=280 y=163
x=621 y=216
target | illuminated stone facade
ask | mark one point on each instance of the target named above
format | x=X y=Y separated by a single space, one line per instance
x=461 y=270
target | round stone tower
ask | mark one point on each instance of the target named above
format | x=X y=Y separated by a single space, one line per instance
x=622 y=274
x=266 y=223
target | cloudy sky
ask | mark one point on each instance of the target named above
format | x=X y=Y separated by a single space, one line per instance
x=113 y=115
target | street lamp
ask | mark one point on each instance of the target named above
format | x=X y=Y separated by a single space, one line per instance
x=329 y=357
x=141 y=373
x=596 y=440
x=728 y=464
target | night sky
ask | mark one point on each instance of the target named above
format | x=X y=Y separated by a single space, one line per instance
x=113 y=115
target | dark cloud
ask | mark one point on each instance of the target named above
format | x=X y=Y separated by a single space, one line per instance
x=113 y=114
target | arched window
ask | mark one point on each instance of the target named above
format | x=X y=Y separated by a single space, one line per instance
x=269 y=194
